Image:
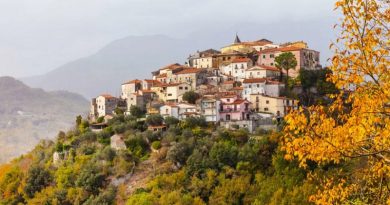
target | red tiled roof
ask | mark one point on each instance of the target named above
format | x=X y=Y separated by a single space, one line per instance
x=238 y=88
x=168 y=84
x=282 y=49
x=132 y=82
x=255 y=80
x=108 y=96
x=271 y=68
x=241 y=60
x=164 y=75
x=150 y=81
x=171 y=66
x=189 y=70
x=274 y=82
x=147 y=91
x=239 y=101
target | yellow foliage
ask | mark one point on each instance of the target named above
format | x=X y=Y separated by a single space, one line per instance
x=357 y=124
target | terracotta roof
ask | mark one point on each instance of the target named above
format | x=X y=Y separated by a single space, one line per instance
x=169 y=84
x=240 y=101
x=281 y=97
x=238 y=88
x=151 y=81
x=282 y=49
x=241 y=60
x=171 y=66
x=237 y=102
x=189 y=70
x=147 y=91
x=264 y=67
x=255 y=80
x=107 y=96
x=132 y=82
x=164 y=75
x=274 y=82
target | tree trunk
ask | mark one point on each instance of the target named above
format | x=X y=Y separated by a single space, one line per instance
x=287 y=78
x=281 y=76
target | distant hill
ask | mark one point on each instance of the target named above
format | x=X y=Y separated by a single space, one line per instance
x=28 y=115
x=121 y=60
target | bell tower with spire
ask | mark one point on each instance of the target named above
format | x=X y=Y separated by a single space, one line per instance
x=237 y=39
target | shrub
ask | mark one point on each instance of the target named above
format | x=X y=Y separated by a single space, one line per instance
x=156 y=145
x=100 y=119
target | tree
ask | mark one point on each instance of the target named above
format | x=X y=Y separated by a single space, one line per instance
x=136 y=111
x=171 y=121
x=191 y=97
x=354 y=128
x=78 y=120
x=154 y=120
x=285 y=61
x=37 y=179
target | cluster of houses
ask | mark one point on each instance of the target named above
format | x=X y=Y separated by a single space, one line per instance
x=238 y=86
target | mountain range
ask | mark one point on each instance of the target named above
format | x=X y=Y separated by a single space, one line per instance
x=31 y=114
x=119 y=61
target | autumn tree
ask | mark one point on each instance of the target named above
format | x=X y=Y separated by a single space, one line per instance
x=285 y=61
x=355 y=128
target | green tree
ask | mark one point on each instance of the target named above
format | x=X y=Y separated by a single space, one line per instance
x=191 y=97
x=136 y=111
x=154 y=120
x=37 y=179
x=78 y=120
x=285 y=61
x=171 y=121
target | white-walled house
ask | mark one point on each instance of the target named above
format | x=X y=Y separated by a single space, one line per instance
x=261 y=86
x=130 y=87
x=179 y=110
x=262 y=71
x=209 y=106
x=105 y=105
x=237 y=68
x=172 y=92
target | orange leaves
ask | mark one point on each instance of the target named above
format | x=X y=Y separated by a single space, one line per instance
x=357 y=123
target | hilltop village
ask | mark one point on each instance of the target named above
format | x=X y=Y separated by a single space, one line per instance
x=239 y=86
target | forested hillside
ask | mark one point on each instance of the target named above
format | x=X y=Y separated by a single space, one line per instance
x=191 y=163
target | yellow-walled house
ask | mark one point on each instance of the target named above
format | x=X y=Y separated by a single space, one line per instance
x=278 y=106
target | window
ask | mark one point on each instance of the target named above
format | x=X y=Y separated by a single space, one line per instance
x=166 y=110
x=169 y=94
x=258 y=85
x=186 y=88
x=272 y=64
x=271 y=55
x=267 y=102
x=266 y=109
x=228 y=100
x=263 y=56
x=250 y=86
x=180 y=88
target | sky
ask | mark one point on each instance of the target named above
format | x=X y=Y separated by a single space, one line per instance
x=38 y=36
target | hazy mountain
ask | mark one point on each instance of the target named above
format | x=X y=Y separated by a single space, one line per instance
x=121 y=60
x=29 y=114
